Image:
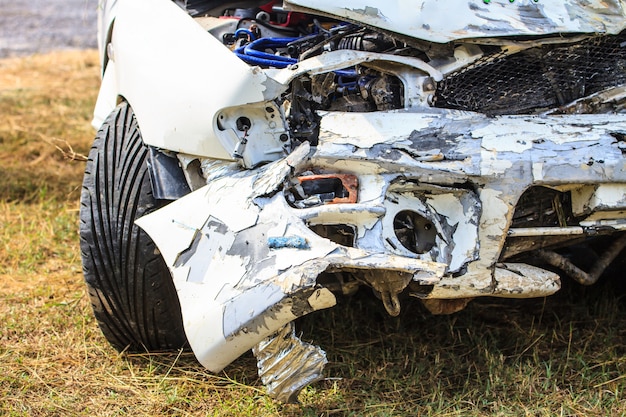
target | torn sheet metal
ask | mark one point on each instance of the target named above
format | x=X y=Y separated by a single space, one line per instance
x=236 y=290
x=217 y=240
x=505 y=154
x=423 y=19
x=287 y=364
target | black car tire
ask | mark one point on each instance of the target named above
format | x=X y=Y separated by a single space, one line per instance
x=132 y=293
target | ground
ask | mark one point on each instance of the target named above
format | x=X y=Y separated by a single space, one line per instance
x=37 y=26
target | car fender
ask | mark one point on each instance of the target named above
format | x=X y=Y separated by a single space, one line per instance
x=178 y=78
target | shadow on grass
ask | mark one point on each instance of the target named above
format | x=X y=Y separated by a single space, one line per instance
x=497 y=356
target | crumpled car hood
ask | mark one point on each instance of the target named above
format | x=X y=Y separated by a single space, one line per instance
x=423 y=19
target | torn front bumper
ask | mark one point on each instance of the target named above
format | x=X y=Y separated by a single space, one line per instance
x=245 y=262
x=235 y=285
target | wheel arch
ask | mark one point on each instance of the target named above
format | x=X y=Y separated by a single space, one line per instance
x=164 y=64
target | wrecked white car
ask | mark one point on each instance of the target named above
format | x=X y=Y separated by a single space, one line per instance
x=255 y=160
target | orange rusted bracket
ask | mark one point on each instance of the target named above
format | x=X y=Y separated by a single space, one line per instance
x=349 y=182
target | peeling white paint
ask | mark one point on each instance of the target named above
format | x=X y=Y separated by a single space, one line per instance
x=228 y=260
x=521 y=280
x=464 y=222
x=538 y=171
x=494 y=139
x=492 y=164
x=373 y=129
x=495 y=215
x=608 y=195
x=423 y=18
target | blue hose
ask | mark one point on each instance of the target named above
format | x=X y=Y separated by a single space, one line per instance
x=347 y=73
x=250 y=34
x=254 y=52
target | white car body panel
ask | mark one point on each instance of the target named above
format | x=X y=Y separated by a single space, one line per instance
x=436 y=21
x=155 y=45
x=262 y=284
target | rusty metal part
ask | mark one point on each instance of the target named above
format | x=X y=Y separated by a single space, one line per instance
x=286 y=364
x=349 y=184
x=388 y=284
x=446 y=306
x=582 y=277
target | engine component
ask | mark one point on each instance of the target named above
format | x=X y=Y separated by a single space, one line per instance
x=255 y=52
x=367 y=41
x=303 y=119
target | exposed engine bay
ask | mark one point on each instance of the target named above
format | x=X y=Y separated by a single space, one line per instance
x=326 y=151
x=494 y=77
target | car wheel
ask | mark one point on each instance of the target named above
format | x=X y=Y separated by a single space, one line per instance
x=129 y=285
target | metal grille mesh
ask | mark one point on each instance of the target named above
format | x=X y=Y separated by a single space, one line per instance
x=537 y=78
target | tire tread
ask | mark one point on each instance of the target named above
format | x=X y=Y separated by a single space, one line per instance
x=130 y=288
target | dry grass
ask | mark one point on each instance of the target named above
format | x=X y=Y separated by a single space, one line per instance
x=45 y=104
x=559 y=356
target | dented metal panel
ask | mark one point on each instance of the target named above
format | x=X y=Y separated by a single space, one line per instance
x=216 y=242
x=507 y=153
x=462 y=19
